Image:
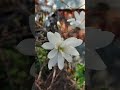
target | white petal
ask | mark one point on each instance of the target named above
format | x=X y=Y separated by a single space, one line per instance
x=52 y=38
x=71 y=50
x=82 y=16
x=52 y=62
x=48 y=46
x=71 y=20
x=50 y=2
x=77 y=16
x=74 y=42
x=83 y=6
x=52 y=53
x=78 y=23
x=67 y=57
x=58 y=36
x=60 y=61
x=73 y=23
x=82 y=25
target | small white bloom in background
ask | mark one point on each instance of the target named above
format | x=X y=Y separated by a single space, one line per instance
x=54 y=7
x=60 y=49
x=50 y=2
x=37 y=17
x=46 y=8
x=82 y=2
x=78 y=21
x=41 y=1
x=79 y=60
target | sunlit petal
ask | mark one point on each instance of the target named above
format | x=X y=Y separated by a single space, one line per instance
x=58 y=36
x=51 y=37
x=73 y=42
x=48 y=46
x=71 y=50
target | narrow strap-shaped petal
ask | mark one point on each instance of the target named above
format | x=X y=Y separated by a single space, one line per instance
x=52 y=53
x=67 y=57
x=72 y=42
x=52 y=38
x=77 y=16
x=71 y=20
x=71 y=50
x=48 y=46
x=82 y=16
x=52 y=62
x=60 y=61
x=58 y=36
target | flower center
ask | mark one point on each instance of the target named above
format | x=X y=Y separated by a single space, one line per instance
x=60 y=49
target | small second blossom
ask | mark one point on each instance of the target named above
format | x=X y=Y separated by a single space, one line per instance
x=78 y=21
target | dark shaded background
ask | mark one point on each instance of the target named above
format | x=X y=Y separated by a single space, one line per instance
x=105 y=14
x=14 y=27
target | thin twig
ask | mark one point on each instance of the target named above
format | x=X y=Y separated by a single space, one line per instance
x=53 y=78
x=54 y=73
x=65 y=4
x=38 y=86
x=40 y=73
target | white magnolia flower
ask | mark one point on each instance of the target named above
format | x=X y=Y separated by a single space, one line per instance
x=60 y=49
x=78 y=21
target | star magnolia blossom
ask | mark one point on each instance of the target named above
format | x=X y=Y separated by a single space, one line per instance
x=60 y=49
x=78 y=21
